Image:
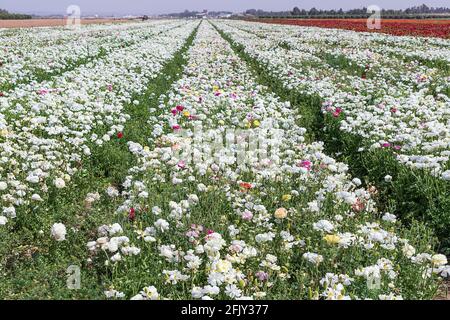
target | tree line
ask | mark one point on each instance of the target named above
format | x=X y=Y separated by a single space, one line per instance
x=313 y=12
x=5 y=15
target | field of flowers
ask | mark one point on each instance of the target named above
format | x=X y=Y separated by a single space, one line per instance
x=223 y=160
x=439 y=28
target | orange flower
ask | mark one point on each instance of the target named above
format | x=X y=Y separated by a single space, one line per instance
x=246 y=185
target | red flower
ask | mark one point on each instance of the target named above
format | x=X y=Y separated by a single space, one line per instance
x=119 y=135
x=245 y=185
x=1 y=94
x=180 y=108
x=132 y=214
x=337 y=112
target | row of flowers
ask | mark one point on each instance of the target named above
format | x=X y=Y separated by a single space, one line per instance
x=26 y=57
x=290 y=224
x=392 y=104
x=45 y=133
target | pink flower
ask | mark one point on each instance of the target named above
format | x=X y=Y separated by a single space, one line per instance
x=262 y=276
x=180 y=108
x=181 y=164
x=42 y=92
x=386 y=145
x=176 y=127
x=393 y=110
x=192 y=234
x=305 y=164
x=337 y=112
x=247 y=215
x=109 y=87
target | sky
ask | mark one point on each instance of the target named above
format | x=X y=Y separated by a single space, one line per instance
x=121 y=7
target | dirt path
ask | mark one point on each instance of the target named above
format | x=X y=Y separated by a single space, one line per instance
x=50 y=22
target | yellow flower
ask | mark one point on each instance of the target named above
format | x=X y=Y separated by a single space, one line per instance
x=332 y=239
x=221 y=122
x=3 y=133
x=223 y=266
x=146 y=148
x=248 y=125
x=186 y=113
x=256 y=123
x=280 y=213
x=286 y=197
x=215 y=88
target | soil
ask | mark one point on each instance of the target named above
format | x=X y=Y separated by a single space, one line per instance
x=51 y=22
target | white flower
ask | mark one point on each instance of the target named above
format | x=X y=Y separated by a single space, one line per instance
x=389 y=217
x=3 y=185
x=3 y=220
x=156 y=210
x=161 y=225
x=36 y=197
x=313 y=257
x=233 y=291
x=112 y=192
x=323 y=225
x=59 y=183
x=408 y=250
x=388 y=178
x=438 y=260
x=9 y=212
x=148 y=293
x=59 y=232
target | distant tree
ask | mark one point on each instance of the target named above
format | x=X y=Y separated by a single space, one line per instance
x=296 y=11
x=313 y=12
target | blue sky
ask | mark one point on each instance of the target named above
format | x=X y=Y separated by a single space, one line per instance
x=165 y=6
